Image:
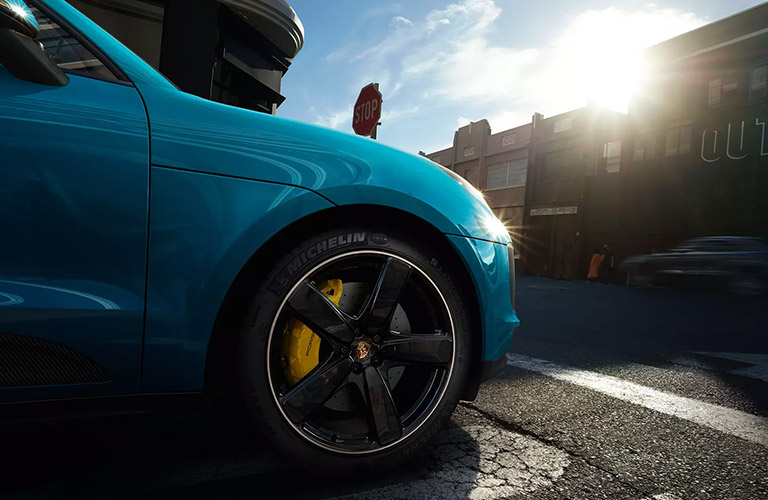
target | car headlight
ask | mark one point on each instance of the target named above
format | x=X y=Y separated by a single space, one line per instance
x=493 y=227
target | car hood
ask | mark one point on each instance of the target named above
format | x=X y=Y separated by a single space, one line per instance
x=199 y=135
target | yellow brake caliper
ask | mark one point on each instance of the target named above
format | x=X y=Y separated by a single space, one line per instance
x=301 y=347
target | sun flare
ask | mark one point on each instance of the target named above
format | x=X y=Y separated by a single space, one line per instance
x=602 y=52
x=20 y=10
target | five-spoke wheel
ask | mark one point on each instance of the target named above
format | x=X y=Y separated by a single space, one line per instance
x=386 y=352
x=356 y=350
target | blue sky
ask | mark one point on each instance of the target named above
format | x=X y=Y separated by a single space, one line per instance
x=442 y=63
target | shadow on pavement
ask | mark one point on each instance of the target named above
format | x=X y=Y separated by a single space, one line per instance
x=183 y=456
x=607 y=328
x=189 y=456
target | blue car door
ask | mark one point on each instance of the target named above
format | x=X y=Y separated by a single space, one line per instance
x=74 y=168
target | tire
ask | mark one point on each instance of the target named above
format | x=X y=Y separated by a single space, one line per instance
x=373 y=355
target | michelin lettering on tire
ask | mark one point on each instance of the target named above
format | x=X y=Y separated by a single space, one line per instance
x=331 y=243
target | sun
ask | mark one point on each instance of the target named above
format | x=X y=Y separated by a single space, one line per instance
x=601 y=52
x=614 y=87
x=612 y=71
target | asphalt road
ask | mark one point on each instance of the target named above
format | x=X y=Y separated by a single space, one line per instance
x=609 y=393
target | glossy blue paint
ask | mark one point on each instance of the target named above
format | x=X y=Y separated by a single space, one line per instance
x=74 y=165
x=488 y=265
x=204 y=228
x=224 y=180
x=199 y=135
x=345 y=169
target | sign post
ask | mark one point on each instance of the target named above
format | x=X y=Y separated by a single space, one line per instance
x=367 y=111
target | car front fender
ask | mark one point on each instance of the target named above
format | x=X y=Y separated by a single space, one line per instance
x=203 y=230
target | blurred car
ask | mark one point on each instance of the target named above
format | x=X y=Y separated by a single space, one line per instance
x=737 y=264
x=156 y=243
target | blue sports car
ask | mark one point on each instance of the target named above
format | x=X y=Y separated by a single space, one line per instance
x=346 y=295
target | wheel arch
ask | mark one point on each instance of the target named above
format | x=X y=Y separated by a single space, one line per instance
x=219 y=378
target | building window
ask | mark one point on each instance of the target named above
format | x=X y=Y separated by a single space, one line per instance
x=611 y=157
x=507 y=174
x=560 y=164
x=645 y=147
x=679 y=139
x=715 y=91
x=758 y=81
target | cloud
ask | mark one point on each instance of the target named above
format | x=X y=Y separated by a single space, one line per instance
x=598 y=56
x=395 y=115
x=454 y=59
x=444 y=57
x=336 y=120
x=462 y=121
x=401 y=21
x=508 y=118
x=475 y=15
x=451 y=62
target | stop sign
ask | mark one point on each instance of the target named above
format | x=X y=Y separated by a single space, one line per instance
x=367 y=112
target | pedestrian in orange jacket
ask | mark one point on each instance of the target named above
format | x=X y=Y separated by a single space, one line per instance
x=594 y=266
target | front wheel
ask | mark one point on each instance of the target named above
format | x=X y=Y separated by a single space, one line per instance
x=357 y=353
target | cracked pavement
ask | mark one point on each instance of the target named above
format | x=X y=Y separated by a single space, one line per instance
x=571 y=430
x=478 y=461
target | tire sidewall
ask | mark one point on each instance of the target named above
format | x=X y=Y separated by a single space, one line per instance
x=254 y=341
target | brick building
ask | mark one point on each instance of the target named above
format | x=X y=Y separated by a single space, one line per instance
x=690 y=158
x=698 y=156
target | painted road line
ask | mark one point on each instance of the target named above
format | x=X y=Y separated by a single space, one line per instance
x=734 y=422
x=759 y=370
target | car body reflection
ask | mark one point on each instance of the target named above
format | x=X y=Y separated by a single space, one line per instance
x=50 y=295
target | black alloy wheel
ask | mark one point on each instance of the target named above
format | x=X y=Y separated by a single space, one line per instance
x=391 y=355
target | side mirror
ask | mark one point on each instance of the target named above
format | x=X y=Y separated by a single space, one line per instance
x=19 y=53
x=15 y=15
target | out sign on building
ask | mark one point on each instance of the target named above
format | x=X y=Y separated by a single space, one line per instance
x=367 y=112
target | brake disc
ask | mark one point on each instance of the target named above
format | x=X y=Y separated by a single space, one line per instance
x=301 y=346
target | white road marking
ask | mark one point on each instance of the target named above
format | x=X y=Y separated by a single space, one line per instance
x=734 y=422
x=760 y=362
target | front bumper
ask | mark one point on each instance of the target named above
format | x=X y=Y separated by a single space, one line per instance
x=491 y=267
x=493 y=368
